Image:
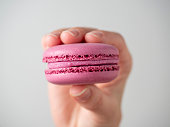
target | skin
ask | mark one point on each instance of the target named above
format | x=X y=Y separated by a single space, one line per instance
x=91 y=105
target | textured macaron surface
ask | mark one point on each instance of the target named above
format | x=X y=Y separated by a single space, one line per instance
x=84 y=60
x=80 y=51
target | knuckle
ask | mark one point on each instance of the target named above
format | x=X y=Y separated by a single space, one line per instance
x=59 y=30
x=84 y=29
x=98 y=31
x=120 y=37
x=78 y=28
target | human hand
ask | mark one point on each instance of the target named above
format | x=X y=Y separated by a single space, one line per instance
x=97 y=105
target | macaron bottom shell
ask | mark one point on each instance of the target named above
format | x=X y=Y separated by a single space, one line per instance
x=82 y=74
x=82 y=78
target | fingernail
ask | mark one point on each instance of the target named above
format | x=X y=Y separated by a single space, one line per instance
x=74 y=33
x=82 y=96
x=96 y=34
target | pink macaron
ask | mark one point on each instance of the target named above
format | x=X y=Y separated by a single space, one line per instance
x=81 y=63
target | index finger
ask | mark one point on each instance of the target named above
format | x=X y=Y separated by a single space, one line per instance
x=115 y=39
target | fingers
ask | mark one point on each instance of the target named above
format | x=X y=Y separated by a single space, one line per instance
x=115 y=39
x=99 y=36
x=74 y=35
x=88 y=96
x=65 y=36
x=100 y=106
x=52 y=39
x=96 y=36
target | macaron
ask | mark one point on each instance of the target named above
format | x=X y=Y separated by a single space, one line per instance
x=81 y=63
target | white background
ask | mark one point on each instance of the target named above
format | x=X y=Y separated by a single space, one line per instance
x=145 y=25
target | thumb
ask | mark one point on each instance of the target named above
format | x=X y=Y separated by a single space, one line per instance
x=88 y=96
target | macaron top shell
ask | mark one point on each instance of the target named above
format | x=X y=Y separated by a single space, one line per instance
x=68 y=51
x=81 y=48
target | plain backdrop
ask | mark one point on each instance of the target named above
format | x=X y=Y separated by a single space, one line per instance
x=145 y=25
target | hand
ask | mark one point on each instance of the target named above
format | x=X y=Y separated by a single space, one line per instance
x=97 y=105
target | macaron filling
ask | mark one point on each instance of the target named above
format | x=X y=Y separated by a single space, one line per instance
x=81 y=63
x=82 y=69
x=66 y=64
